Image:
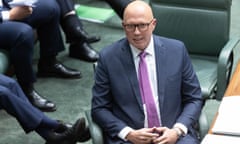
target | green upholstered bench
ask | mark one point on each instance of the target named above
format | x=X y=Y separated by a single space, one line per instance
x=4 y=62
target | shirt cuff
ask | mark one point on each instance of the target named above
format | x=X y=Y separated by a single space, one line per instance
x=182 y=127
x=124 y=132
x=5 y=15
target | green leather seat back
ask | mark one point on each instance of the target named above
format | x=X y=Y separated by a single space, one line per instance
x=206 y=70
x=203 y=25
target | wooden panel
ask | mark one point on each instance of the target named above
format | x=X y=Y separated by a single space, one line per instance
x=232 y=89
x=234 y=85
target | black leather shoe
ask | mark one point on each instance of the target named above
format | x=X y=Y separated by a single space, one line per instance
x=78 y=34
x=74 y=31
x=83 y=51
x=57 y=70
x=68 y=136
x=40 y=102
x=85 y=36
x=85 y=136
x=64 y=126
x=92 y=39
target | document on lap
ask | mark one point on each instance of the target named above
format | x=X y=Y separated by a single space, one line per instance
x=220 y=139
x=227 y=122
x=29 y=3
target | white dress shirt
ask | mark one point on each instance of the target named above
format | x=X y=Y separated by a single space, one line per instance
x=5 y=13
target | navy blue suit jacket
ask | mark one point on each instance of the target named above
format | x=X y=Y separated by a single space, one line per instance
x=116 y=99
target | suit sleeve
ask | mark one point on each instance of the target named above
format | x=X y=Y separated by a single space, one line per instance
x=102 y=101
x=191 y=93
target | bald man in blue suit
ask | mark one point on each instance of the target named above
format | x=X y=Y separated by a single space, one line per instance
x=117 y=105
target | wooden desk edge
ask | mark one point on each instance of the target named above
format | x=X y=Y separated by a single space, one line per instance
x=232 y=89
x=234 y=84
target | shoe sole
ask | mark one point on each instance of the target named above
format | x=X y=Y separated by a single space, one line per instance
x=83 y=59
x=41 y=75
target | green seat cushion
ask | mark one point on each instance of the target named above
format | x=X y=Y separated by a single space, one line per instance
x=206 y=70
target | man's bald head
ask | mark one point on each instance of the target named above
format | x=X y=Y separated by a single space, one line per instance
x=138 y=23
x=138 y=8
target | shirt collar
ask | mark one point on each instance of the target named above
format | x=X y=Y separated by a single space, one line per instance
x=149 y=49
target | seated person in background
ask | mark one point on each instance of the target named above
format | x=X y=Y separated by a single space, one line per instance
x=15 y=103
x=118 y=6
x=153 y=95
x=76 y=36
x=17 y=37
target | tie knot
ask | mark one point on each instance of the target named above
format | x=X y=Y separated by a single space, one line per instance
x=142 y=54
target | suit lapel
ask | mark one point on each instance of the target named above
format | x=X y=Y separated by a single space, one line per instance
x=160 y=56
x=129 y=68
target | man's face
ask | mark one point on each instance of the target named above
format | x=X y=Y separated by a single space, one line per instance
x=139 y=30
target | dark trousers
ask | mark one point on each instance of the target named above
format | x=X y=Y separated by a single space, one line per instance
x=13 y=100
x=18 y=38
x=118 y=6
x=67 y=6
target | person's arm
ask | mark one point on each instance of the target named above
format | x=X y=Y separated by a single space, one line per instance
x=191 y=94
x=20 y=12
x=16 y=13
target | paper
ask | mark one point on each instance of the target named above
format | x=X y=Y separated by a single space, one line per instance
x=29 y=3
x=93 y=14
x=220 y=139
x=228 y=119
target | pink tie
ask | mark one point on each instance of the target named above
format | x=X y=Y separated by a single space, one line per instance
x=146 y=92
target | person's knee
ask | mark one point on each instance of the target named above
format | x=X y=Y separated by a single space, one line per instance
x=12 y=83
x=25 y=38
x=19 y=33
x=51 y=8
x=7 y=82
x=4 y=93
x=23 y=43
x=26 y=33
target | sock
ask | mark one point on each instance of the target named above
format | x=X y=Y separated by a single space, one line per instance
x=70 y=22
x=45 y=127
x=49 y=123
